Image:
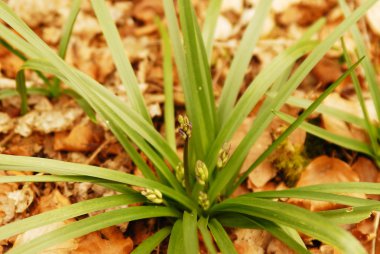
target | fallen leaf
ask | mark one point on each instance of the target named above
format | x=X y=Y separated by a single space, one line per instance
x=251 y=241
x=106 y=241
x=322 y=170
x=82 y=138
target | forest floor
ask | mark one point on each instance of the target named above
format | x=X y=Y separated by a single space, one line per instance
x=59 y=128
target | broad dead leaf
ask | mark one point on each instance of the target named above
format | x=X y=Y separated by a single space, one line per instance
x=251 y=241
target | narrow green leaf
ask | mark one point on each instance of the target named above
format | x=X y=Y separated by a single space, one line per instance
x=176 y=241
x=209 y=25
x=369 y=70
x=241 y=60
x=206 y=236
x=294 y=125
x=121 y=60
x=349 y=215
x=91 y=224
x=82 y=103
x=327 y=110
x=287 y=235
x=190 y=233
x=344 y=187
x=21 y=89
x=348 y=143
x=295 y=217
x=264 y=117
x=7 y=93
x=67 y=212
x=168 y=85
x=221 y=237
x=149 y=244
x=54 y=167
x=65 y=39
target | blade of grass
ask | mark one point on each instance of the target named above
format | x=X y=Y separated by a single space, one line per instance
x=348 y=143
x=372 y=133
x=370 y=73
x=21 y=89
x=190 y=233
x=7 y=93
x=199 y=73
x=295 y=217
x=264 y=117
x=287 y=235
x=168 y=85
x=91 y=224
x=221 y=237
x=294 y=126
x=209 y=25
x=65 y=39
x=206 y=236
x=327 y=110
x=82 y=103
x=240 y=62
x=67 y=212
x=349 y=215
x=149 y=244
x=22 y=163
x=176 y=241
x=349 y=187
x=121 y=60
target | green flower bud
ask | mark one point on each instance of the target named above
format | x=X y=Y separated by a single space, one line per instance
x=184 y=127
x=223 y=155
x=203 y=200
x=153 y=195
x=201 y=172
x=180 y=173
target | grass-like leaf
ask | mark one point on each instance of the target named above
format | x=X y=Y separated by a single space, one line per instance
x=121 y=60
x=65 y=39
x=91 y=224
x=206 y=236
x=190 y=233
x=209 y=25
x=301 y=219
x=221 y=237
x=241 y=60
x=55 y=167
x=176 y=241
x=22 y=91
x=153 y=241
x=67 y=212
x=168 y=85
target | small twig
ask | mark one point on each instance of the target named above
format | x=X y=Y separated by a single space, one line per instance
x=6 y=139
x=97 y=151
x=376 y=223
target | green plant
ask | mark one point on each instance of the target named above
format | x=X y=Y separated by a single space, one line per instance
x=52 y=86
x=371 y=127
x=192 y=193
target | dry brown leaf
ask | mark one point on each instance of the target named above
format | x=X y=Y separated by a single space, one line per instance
x=322 y=170
x=106 y=241
x=373 y=18
x=327 y=71
x=251 y=241
x=82 y=138
x=277 y=247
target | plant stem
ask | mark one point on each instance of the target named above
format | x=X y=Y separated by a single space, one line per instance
x=186 y=166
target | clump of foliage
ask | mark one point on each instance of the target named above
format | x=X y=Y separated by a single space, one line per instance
x=371 y=127
x=193 y=193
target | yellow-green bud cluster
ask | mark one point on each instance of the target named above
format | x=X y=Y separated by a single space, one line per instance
x=223 y=155
x=203 y=200
x=201 y=172
x=180 y=173
x=184 y=127
x=153 y=195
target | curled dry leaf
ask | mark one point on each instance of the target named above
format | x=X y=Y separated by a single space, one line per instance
x=47 y=122
x=82 y=138
x=327 y=70
x=223 y=28
x=251 y=241
x=6 y=123
x=22 y=198
x=7 y=205
x=322 y=170
x=106 y=241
